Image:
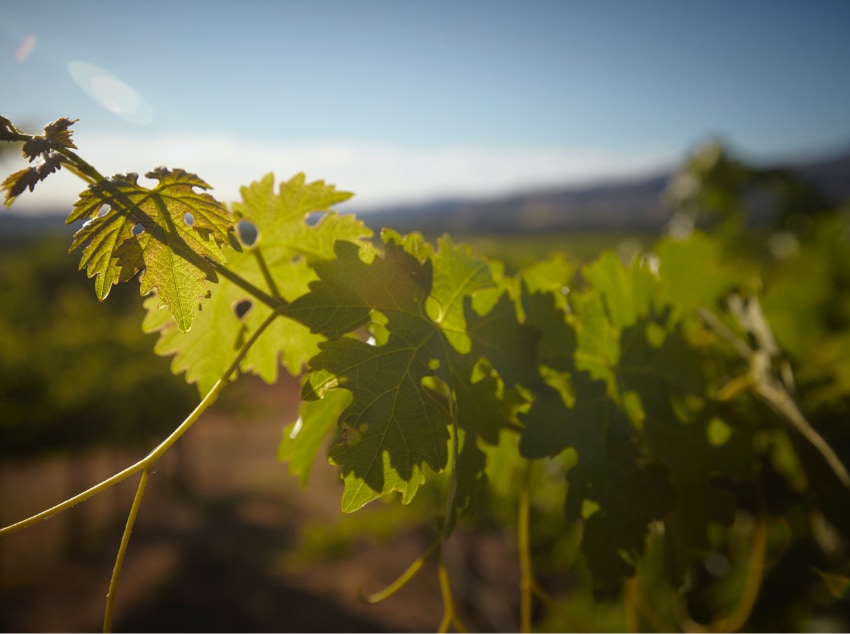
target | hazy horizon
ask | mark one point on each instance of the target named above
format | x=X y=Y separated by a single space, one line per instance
x=403 y=103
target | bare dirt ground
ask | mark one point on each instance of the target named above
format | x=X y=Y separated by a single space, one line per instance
x=219 y=544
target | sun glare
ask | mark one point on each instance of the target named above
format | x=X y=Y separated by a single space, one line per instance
x=25 y=48
x=111 y=93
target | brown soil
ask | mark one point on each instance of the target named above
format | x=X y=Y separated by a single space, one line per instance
x=219 y=544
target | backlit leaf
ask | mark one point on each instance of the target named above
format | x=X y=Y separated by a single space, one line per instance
x=171 y=232
x=400 y=411
x=206 y=351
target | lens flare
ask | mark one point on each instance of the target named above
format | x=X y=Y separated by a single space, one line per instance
x=111 y=93
x=25 y=48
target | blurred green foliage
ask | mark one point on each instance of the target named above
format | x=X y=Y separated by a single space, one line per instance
x=75 y=373
x=788 y=544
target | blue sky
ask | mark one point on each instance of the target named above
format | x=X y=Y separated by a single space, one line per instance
x=408 y=100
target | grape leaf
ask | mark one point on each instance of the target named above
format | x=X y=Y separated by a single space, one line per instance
x=627 y=291
x=394 y=422
x=678 y=259
x=648 y=382
x=552 y=275
x=667 y=385
x=400 y=412
x=485 y=386
x=281 y=219
x=302 y=439
x=598 y=365
x=276 y=260
x=8 y=132
x=597 y=340
x=28 y=177
x=57 y=135
x=349 y=289
x=611 y=472
x=457 y=273
x=205 y=352
x=171 y=232
x=471 y=481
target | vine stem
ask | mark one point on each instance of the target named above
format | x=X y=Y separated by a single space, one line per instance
x=781 y=402
x=275 y=303
x=145 y=465
x=450 y=617
x=448 y=524
x=75 y=163
x=739 y=614
x=160 y=449
x=88 y=173
x=772 y=391
x=403 y=579
x=267 y=274
x=524 y=546
x=631 y=597
x=755 y=567
x=82 y=168
x=122 y=550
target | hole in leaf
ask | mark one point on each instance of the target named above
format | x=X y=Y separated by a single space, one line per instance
x=138 y=229
x=248 y=233
x=188 y=218
x=312 y=219
x=296 y=428
x=104 y=209
x=242 y=307
x=377 y=328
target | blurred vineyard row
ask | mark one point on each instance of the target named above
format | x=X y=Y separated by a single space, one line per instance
x=75 y=373
x=78 y=377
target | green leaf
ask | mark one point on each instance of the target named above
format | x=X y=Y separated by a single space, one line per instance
x=678 y=259
x=205 y=352
x=281 y=219
x=666 y=384
x=437 y=348
x=395 y=421
x=552 y=275
x=303 y=438
x=597 y=340
x=348 y=290
x=171 y=232
x=8 y=132
x=627 y=291
x=229 y=316
x=623 y=391
x=610 y=474
x=546 y=312
x=28 y=177
x=58 y=132
x=457 y=274
x=508 y=345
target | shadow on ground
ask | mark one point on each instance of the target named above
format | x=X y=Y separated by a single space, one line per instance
x=220 y=585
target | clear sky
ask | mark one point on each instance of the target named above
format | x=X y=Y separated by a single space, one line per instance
x=405 y=100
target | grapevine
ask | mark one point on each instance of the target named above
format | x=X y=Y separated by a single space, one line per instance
x=658 y=390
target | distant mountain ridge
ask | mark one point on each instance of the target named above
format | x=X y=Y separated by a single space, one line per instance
x=25 y=226
x=615 y=204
